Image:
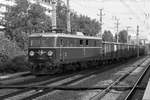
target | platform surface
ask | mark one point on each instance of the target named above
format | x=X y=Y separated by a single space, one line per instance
x=147 y=92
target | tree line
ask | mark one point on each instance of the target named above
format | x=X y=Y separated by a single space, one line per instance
x=26 y=18
x=122 y=36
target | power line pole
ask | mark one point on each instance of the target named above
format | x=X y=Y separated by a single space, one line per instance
x=68 y=18
x=101 y=21
x=117 y=27
x=54 y=15
x=137 y=36
x=127 y=32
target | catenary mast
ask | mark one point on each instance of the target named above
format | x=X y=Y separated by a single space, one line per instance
x=54 y=16
x=68 y=18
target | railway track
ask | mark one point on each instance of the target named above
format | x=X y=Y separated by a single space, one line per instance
x=113 y=85
x=38 y=86
x=33 y=90
x=137 y=86
x=10 y=76
x=16 y=78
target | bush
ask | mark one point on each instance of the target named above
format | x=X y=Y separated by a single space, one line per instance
x=12 y=57
x=17 y=64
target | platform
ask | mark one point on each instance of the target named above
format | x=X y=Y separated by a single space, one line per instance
x=147 y=92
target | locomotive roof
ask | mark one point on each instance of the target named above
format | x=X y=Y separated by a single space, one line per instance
x=62 y=35
x=117 y=43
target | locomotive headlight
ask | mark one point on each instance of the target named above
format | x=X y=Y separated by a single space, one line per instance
x=31 y=53
x=49 y=53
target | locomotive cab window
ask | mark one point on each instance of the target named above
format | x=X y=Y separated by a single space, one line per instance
x=81 y=42
x=87 y=42
x=41 y=42
x=95 y=43
x=61 y=42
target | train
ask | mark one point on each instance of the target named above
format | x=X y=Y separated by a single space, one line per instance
x=51 y=53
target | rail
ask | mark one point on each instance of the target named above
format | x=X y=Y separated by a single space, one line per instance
x=136 y=84
x=102 y=93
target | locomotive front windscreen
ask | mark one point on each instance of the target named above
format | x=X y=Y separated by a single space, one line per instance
x=41 y=42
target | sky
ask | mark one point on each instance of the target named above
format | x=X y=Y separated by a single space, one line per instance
x=129 y=12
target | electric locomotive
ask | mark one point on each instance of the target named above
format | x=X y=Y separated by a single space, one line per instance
x=51 y=52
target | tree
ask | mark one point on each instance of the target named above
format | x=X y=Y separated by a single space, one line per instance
x=122 y=36
x=78 y=22
x=25 y=18
x=37 y=20
x=84 y=24
x=107 y=36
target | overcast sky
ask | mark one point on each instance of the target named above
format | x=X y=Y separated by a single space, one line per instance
x=130 y=13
